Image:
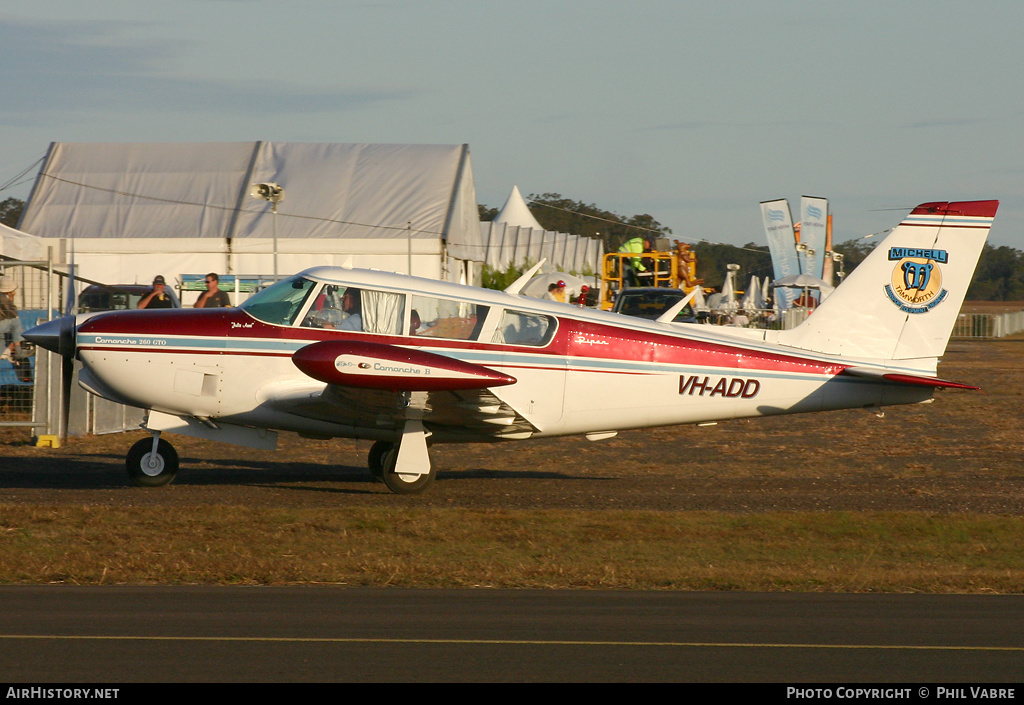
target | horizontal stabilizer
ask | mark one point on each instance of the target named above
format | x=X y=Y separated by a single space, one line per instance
x=917 y=380
x=389 y=367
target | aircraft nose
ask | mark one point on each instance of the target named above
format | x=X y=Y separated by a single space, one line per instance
x=57 y=335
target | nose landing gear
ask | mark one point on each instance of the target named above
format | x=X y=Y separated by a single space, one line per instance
x=152 y=462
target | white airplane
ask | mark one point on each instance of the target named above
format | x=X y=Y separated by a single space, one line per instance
x=406 y=361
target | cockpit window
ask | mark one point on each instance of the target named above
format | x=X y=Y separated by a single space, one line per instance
x=521 y=328
x=280 y=303
x=340 y=307
x=431 y=317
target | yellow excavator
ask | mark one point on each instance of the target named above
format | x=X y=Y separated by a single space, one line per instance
x=662 y=267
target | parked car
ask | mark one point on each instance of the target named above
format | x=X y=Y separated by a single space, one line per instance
x=651 y=302
x=116 y=297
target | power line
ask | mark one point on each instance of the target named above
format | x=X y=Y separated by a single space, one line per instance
x=11 y=183
x=236 y=209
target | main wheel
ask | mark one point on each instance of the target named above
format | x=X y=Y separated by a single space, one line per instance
x=375 y=460
x=148 y=470
x=405 y=484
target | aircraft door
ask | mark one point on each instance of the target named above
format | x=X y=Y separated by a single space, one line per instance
x=540 y=391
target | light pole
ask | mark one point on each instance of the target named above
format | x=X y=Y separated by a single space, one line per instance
x=801 y=248
x=838 y=259
x=275 y=194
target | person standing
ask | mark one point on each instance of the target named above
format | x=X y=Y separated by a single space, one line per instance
x=9 y=320
x=213 y=297
x=157 y=296
x=556 y=291
x=635 y=267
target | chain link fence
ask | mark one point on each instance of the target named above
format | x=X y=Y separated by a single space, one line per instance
x=32 y=289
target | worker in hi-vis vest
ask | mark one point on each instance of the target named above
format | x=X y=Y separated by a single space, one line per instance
x=634 y=267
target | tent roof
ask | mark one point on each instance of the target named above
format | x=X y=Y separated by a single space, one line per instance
x=20 y=246
x=516 y=212
x=146 y=190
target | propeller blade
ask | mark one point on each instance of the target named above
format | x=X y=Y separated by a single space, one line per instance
x=67 y=373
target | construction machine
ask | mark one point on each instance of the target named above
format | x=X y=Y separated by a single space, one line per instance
x=662 y=266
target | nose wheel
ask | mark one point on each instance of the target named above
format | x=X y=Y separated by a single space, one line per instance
x=152 y=463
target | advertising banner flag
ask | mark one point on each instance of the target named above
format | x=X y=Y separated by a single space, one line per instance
x=778 y=226
x=813 y=227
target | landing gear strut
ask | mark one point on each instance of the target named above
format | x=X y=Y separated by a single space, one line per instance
x=152 y=462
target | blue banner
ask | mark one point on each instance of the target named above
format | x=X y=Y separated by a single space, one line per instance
x=778 y=226
x=813 y=229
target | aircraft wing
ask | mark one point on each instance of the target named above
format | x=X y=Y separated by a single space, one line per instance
x=469 y=415
x=378 y=387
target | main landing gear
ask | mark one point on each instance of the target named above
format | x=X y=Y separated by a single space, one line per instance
x=404 y=467
x=152 y=462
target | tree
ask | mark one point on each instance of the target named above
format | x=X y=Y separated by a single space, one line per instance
x=712 y=258
x=10 y=211
x=999 y=275
x=556 y=212
x=854 y=252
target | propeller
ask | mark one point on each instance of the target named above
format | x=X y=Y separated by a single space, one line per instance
x=58 y=336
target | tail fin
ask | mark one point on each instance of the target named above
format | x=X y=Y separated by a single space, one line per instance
x=902 y=301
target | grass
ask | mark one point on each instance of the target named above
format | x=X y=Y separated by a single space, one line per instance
x=607 y=549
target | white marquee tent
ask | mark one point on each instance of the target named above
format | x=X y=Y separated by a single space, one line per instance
x=17 y=245
x=515 y=212
x=515 y=237
x=131 y=211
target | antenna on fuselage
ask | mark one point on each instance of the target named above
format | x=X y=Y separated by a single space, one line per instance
x=670 y=314
x=515 y=287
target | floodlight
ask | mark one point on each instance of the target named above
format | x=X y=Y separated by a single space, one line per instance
x=268 y=191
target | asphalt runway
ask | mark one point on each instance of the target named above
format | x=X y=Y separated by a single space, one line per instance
x=111 y=635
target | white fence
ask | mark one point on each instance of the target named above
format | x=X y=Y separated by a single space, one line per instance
x=968 y=325
x=988 y=325
x=513 y=245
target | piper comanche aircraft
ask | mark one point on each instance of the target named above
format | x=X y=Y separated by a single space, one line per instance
x=406 y=361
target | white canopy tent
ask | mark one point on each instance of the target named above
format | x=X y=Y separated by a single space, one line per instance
x=515 y=212
x=17 y=245
x=131 y=211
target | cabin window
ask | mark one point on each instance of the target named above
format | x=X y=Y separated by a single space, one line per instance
x=340 y=307
x=444 y=318
x=521 y=328
x=280 y=303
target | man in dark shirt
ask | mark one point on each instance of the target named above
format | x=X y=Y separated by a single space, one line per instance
x=157 y=297
x=213 y=297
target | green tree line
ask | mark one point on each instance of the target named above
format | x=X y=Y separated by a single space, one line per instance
x=998 y=277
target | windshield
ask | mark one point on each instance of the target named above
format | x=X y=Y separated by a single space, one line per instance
x=651 y=304
x=280 y=303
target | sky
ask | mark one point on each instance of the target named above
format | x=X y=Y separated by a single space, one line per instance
x=692 y=112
